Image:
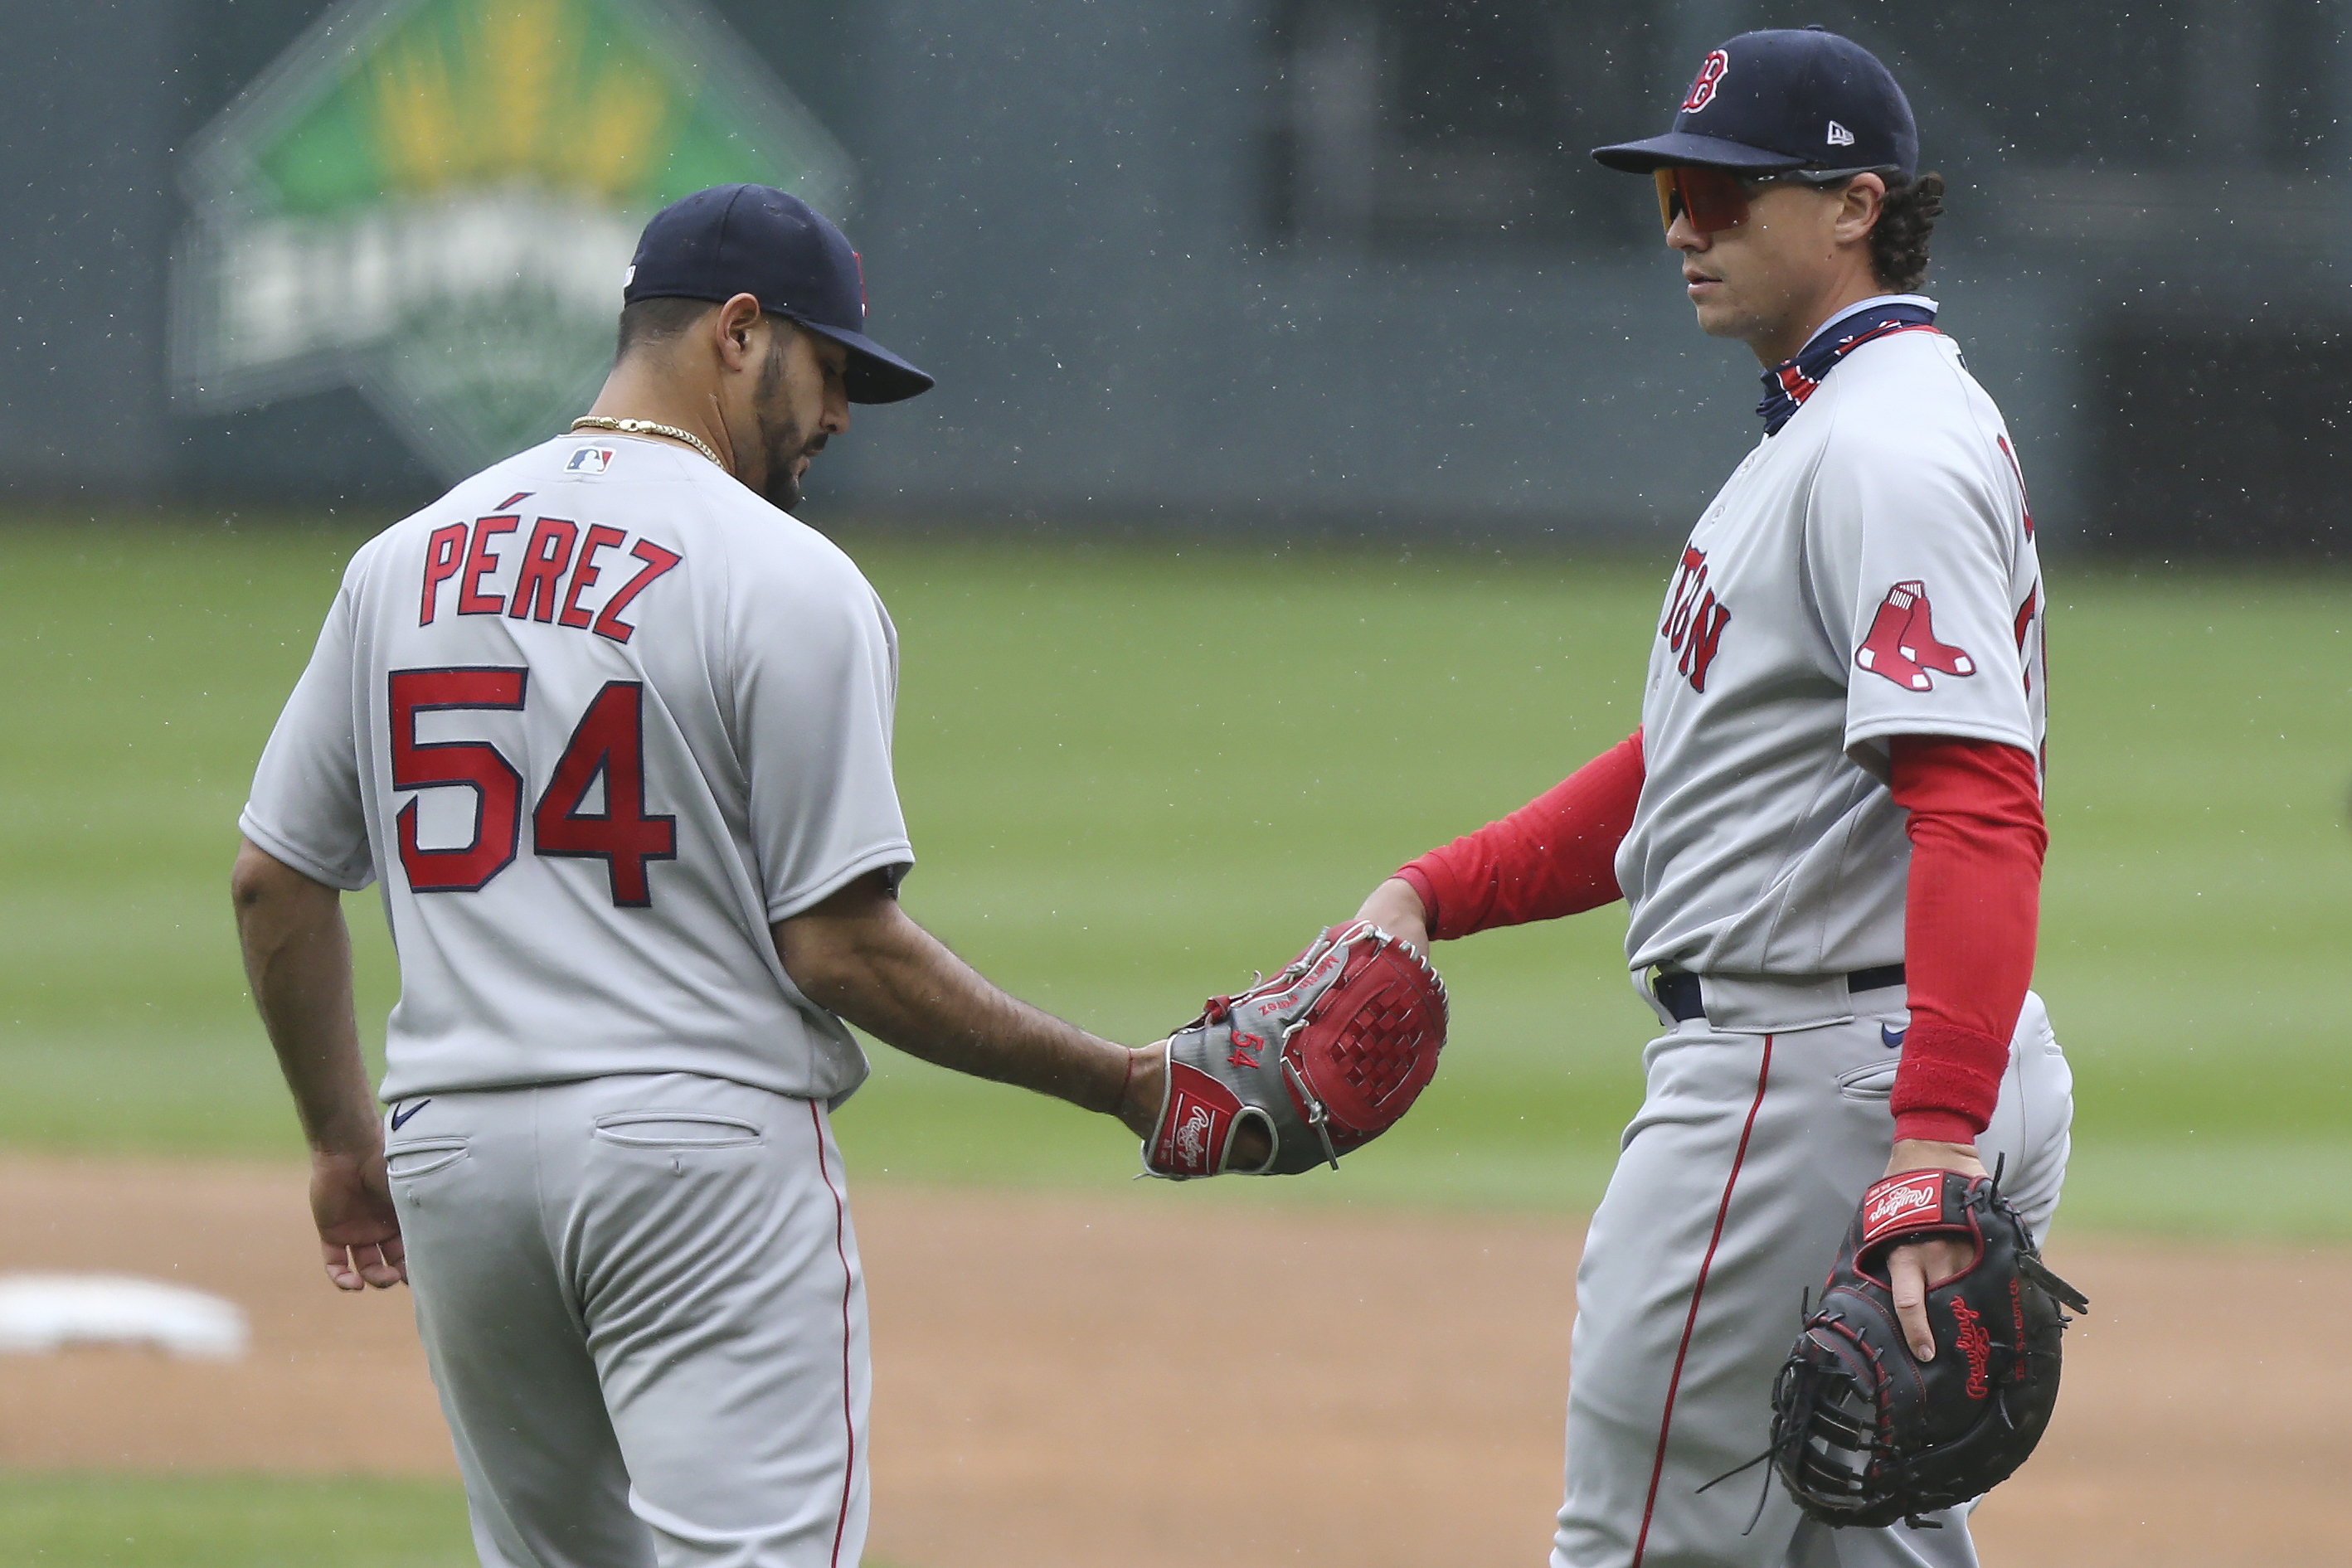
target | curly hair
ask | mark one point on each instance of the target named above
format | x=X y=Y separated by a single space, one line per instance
x=1898 y=246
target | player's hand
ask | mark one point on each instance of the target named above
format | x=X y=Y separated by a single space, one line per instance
x=1147 y=1086
x=1914 y=1266
x=359 y=1234
x=1396 y=909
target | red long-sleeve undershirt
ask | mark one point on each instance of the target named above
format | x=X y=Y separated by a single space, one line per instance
x=1971 y=912
x=1970 y=919
x=1555 y=855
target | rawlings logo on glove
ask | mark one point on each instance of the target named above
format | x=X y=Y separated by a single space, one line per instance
x=1898 y=1199
x=1322 y=1058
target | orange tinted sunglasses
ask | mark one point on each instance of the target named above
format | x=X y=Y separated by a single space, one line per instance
x=1713 y=199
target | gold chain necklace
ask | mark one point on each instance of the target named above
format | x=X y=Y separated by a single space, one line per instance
x=646 y=427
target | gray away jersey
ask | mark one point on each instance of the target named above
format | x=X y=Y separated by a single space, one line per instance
x=595 y=718
x=1867 y=573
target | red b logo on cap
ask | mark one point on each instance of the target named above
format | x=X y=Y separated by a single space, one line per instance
x=1702 y=92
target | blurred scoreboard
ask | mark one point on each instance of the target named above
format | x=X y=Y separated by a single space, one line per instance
x=1335 y=268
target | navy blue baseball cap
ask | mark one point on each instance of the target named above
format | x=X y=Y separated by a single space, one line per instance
x=1780 y=100
x=757 y=240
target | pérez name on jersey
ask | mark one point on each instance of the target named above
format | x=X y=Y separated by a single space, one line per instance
x=558 y=564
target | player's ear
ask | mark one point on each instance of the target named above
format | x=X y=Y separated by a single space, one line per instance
x=1859 y=204
x=734 y=324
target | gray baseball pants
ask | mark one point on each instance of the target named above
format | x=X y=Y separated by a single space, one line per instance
x=1734 y=1189
x=641 y=1302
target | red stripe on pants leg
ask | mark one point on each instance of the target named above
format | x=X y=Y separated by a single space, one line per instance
x=841 y=1250
x=1698 y=1288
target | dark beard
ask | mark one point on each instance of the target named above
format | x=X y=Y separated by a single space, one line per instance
x=781 y=437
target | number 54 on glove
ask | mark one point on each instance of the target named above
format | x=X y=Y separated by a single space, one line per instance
x=1321 y=1059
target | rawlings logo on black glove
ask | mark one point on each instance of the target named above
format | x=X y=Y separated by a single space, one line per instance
x=1322 y=1058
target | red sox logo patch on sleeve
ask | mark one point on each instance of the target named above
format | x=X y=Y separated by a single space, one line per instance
x=1902 y=644
x=1710 y=72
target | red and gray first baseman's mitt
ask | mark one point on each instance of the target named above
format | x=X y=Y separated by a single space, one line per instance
x=1324 y=1057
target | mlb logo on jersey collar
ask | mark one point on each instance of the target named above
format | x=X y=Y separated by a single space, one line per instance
x=591 y=460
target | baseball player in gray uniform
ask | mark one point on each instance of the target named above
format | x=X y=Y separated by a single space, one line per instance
x=1828 y=830
x=611 y=732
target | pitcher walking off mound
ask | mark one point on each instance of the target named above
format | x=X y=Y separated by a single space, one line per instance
x=614 y=731
x=1828 y=829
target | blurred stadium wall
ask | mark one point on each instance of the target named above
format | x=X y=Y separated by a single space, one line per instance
x=1290 y=265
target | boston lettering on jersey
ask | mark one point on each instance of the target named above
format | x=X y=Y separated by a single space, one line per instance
x=1695 y=619
x=550 y=576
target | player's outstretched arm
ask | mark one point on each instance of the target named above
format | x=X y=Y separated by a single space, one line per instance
x=298 y=959
x=1554 y=856
x=859 y=955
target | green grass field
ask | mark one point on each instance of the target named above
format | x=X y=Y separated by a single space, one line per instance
x=235 y=1521
x=248 y=1521
x=1133 y=776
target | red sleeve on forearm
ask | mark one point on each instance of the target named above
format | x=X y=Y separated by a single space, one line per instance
x=1555 y=855
x=1975 y=898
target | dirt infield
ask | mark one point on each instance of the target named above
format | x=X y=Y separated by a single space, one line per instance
x=1030 y=1409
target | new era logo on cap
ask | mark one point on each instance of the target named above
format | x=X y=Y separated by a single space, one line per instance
x=1839 y=136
